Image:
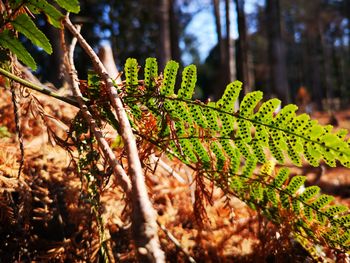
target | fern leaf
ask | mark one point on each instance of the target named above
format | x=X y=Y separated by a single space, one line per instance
x=249 y=102
x=249 y=167
x=197 y=115
x=131 y=75
x=220 y=157
x=267 y=168
x=265 y=113
x=246 y=110
x=308 y=212
x=215 y=138
x=243 y=148
x=170 y=72
x=322 y=201
x=256 y=191
x=236 y=184
x=211 y=116
x=233 y=154
x=295 y=183
x=176 y=151
x=26 y=26
x=344 y=220
x=345 y=238
x=276 y=150
x=309 y=193
x=202 y=153
x=182 y=111
x=335 y=210
x=312 y=154
x=189 y=78
x=258 y=151
x=227 y=101
x=296 y=205
x=227 y=104
x=151 y=73
x=187 y=150
x=281 y=177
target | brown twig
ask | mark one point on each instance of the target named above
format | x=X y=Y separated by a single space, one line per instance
x=105 y=235
x=119 y=172
x=143 y=215
x=16 y=112
x=176 y=242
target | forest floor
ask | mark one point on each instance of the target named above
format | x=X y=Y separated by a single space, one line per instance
x=45 y=218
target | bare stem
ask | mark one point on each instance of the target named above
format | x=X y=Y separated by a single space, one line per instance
x=37 y=87
x=143 y=215
x=118 y=170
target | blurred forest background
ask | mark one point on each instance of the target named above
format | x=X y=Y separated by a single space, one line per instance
x=295 y=50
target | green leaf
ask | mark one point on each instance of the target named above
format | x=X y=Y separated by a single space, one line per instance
x=281 y=177
x=131 y=75
x=211 y=116
x=69 y=5
x=227 y=101
x=309 y=192
x=151 y=72
x=13 y=44
x=249 y=167
x=189 y=78
x=170 y=72
x=322 y=201
x=220 y=157
x=26 y=26
x=336 y=209
x=53 y=15
x=295 y=183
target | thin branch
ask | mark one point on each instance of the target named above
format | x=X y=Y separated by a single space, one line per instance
x=16 y=112
x=143 y=215
x=176 y=242
x=167 y=168
x=38 y=88
x=118 y=170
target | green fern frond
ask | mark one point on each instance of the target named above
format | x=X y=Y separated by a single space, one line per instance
x=131 y=75
x=170 y=72
x=230 y=145
x=151 y=73
x=189 y=79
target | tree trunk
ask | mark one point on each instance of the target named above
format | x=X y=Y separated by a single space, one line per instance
x=314 y=57
x=277 y=57
x=55 y=60
x=244 y=73
x=216 y=4
x=222 y=76
x=164 y=50
x=174 y=32
x=326 y=67
x=229 y=47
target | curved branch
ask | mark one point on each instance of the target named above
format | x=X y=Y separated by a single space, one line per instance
x=143 y=215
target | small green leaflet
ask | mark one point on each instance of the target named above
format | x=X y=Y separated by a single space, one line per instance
x=53 y=15
x=69 y=5
x=13 y=44
x=26 y=26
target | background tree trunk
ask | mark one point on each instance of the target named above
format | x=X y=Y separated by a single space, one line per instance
x=174 y=31
x=229 y=47
x=277 y=57
x=223 y=73
x=164 y=49
x=243 y=71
